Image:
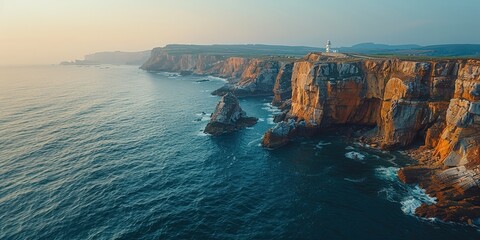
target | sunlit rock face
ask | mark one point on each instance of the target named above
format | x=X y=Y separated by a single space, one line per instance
x=259 y=79
x=459 y=142
x=282 y=89
x=405 y=99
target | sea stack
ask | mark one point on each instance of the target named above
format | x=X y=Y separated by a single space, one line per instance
x=228 y=117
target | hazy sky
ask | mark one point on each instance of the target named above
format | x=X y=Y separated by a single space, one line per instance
x=49 y=31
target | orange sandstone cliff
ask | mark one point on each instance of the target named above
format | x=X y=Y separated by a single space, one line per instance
x=436 y=102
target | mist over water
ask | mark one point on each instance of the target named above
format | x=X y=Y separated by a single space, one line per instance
x=114 y=152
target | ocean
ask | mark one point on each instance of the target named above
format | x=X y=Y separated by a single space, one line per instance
x=114 y=152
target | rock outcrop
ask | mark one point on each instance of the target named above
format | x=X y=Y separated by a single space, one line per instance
x=228 y=117
x=278 y=136
x=435 y=102
x=258 y=78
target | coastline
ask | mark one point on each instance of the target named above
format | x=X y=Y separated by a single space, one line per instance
x=400 y=100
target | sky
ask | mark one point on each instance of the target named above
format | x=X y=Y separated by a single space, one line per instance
x=51 y=31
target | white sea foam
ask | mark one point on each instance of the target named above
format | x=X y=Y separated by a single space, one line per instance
x=261 y=119
x=387 y=173
x=415 y=198
x=349 y=148
x=355 y=155
x=269 y=107
x=409 y=197
x=254 y=141
x=321 y=144
x=217 y=78
x=390 y=194
x=202 y=117
x=270 y=121
x=202 y=134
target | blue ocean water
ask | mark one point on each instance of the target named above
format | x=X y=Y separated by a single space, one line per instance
x=114 y=152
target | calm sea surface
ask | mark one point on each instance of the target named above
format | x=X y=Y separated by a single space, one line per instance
x=114 y=152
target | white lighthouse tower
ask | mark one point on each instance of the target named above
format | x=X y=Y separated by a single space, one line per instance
x=327 y=47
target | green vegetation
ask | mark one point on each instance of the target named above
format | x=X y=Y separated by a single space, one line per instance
x=249 y=50
x=420 y=58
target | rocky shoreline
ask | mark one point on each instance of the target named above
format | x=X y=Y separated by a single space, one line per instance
x=434 y=102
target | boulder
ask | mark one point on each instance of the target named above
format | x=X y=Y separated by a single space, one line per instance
x=277 y=136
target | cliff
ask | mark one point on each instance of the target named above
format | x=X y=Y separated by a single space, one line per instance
x=434 y=102
x=162 y=60
x=247 y=76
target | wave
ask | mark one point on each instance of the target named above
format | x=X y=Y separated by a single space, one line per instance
x=355 y=180
x=355 y=155
x=270 y=121
x=387 y=173
x=254 y=141
x=409 y=197
x=217 y=79
x=416 y=197
x=269 y=107
x=390 y=193
x=321 y=144
x=202 y=134
x=202 y=117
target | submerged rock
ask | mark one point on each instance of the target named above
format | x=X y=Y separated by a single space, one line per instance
x=228 y=117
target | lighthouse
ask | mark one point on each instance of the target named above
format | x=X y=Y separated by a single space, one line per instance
x=327 y=47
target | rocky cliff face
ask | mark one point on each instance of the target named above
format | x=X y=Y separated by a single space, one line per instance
x=282 y=89
x=161 y=60
x=405 y=99
x=437 y=102
x=246 y=76
x=259 y=78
